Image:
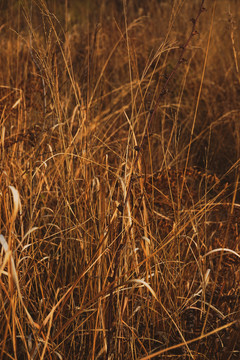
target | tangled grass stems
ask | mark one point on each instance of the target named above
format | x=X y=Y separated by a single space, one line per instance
x=126 y=245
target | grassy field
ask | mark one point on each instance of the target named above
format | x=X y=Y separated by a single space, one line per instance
x=120 y=204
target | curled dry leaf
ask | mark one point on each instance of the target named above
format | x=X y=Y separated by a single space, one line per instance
x=16 y=202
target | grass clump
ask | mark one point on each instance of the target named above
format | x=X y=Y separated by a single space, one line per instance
x=119 y=180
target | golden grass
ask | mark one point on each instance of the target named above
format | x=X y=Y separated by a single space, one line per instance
x=119 y=180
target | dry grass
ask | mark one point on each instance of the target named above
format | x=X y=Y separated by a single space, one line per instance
x=119 y=201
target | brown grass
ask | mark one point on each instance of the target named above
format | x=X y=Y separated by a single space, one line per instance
x=119 y=201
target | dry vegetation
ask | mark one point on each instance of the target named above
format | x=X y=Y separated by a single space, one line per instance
x=120 y=206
